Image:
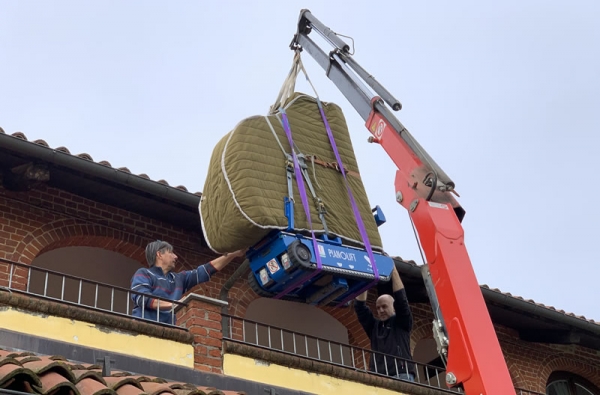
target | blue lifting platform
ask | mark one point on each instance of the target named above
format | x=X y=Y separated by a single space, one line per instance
x=284 y=266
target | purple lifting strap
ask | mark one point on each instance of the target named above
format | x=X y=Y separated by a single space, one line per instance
x=359 y=221
x=302 y=190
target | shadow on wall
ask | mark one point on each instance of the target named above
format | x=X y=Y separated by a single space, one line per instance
x=88 y=263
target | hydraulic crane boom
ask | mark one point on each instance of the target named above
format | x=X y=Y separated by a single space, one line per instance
x=463 y=328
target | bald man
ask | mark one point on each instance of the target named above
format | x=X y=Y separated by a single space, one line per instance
x=390 y=331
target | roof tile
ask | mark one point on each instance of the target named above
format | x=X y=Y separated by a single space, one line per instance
x=117 y=382
x=129 y=389
x=81 y=374
x=152 y=388
x=63 y=149
x=89 y=386
x=196 y=391
x=42 y=366
x=53 y=381
x=8 y=360
x=10 y=373
x=55 y=375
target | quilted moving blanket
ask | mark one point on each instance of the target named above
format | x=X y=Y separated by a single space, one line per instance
x=244 y=191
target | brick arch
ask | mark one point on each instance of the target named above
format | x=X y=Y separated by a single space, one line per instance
x=515 y=376
x=347 y=317
x=243 y=295
x=70 y=232
x=566 y=363
x=422 y=329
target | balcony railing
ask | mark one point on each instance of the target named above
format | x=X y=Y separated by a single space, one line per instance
x=64 y=288
x=309 y=347
x=56 y=286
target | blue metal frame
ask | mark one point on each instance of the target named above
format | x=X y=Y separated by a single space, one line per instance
x=345 y=269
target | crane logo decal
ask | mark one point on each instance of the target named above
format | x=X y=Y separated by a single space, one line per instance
x=380 y=128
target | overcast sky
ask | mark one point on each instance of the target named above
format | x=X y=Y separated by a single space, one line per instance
x=505 y=96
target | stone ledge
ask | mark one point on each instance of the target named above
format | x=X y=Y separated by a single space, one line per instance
x=200 y=298
x=327 y=369
x=38 y=305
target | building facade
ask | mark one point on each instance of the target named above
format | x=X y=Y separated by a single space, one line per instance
x=73 y=231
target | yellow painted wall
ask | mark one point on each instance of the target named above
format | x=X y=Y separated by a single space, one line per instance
x=86 y=334
x=268 y=373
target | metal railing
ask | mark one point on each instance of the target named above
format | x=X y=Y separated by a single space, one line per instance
x=309 y=347
x=56 y=286
x=68 y=289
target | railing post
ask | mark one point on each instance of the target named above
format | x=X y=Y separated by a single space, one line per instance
x=201 y=315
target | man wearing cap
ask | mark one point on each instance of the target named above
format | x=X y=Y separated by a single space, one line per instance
x=159 y=280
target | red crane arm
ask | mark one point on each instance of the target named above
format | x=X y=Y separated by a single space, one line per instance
x=474 y=358
x=463 y=328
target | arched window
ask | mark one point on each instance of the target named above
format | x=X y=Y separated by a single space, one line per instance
x=565 y=383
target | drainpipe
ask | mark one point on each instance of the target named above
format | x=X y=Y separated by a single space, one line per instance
x=224 y=294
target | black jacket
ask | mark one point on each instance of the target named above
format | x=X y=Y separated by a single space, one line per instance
x=390 y=337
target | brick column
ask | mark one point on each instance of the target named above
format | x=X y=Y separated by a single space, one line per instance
x=202 y=317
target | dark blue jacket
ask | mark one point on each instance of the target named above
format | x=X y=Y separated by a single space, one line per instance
x=172 y=286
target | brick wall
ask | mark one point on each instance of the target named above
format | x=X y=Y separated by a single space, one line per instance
x=44 y=219
x=41 y=220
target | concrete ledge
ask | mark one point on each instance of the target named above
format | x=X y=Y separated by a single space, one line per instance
x=201 y=298
x=42 y=306
x=308 y=365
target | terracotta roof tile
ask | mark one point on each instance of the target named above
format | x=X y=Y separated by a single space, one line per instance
x=117 y=382
x=54 y=382
x=54 y=375
x=88 y=157
x=42 y=142
x=156 y=388
x=129 y=389
x=81 y=374
x=89 y=386
x=12 y=373
x=63 y=149
x=41 y=367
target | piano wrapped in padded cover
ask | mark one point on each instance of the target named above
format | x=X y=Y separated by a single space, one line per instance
x=243 y=195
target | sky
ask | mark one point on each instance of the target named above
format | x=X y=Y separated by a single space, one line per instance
x=505 y=96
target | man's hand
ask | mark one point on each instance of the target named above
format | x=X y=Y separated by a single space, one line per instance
x=362 y=297
x=238 y=253
x=164 y=305
x=222 y=261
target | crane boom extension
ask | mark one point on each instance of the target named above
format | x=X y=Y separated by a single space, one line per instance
x=463 y=328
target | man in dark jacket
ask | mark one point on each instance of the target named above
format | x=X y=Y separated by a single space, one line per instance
x=390 y=332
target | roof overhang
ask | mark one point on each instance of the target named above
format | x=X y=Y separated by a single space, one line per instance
x=533 y=322
x=103 y=183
